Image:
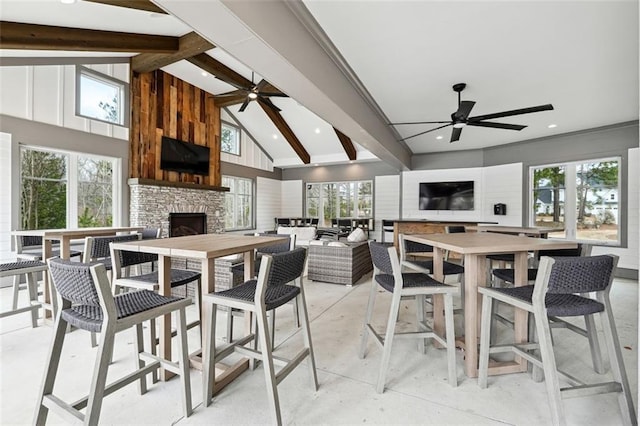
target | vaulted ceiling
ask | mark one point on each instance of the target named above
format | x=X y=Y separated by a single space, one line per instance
x=351 y=68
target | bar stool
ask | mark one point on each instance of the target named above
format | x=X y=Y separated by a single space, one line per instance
x=388 y=274
x=86 y=302
x=266 y=293
x=16 y=269
x=555 y=294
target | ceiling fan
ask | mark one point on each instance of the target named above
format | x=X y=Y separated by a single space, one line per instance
x=255 y=92
x=460 y=118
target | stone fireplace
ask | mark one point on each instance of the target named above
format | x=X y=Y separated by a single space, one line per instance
x=181 y=224
x=152 y=202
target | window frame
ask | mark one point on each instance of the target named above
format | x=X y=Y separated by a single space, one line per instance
x=123 y=86
x=353 y=198
x=71 y=180
x=236 y=195
x=238 y=138
x=570 y=200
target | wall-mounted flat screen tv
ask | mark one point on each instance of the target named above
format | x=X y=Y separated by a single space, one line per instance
x=446 y=195
x=179 y=156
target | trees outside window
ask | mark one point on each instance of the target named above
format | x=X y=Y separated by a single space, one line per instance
x=66 y=190
x=230 y=139
x=238 y=203
x=581 y=196
x=332 y=200
x=100 y=97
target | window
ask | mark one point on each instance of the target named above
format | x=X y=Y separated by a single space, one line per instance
x=238 y=203
x=100 y=97
x=67 y=190
x=581 y=196
x=230 y=140
x=331 y=200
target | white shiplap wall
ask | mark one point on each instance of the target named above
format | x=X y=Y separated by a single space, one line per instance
x=250 y=154
x=630 y=256
x=386 y=200
x=291 y=202
x=268 y=204
x=47 y=94
x=491 y=185
x=5 y=196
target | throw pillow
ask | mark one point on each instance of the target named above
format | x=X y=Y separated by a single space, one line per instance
x=356 y=236
x=337 y=244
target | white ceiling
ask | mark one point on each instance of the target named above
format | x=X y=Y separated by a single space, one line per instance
x=580 y=56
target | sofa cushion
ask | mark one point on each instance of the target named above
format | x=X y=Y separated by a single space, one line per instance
x=337 y=244
x=303 y=234
x=357 y=235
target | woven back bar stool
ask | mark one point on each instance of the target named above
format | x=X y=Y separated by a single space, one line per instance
x=98 y=249
x=560 y=290
x=387 y=274
x=269 y=291
x=29 y=247
x=86 y=302
x=17 y=269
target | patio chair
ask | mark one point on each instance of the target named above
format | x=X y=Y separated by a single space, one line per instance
x=387 y=274
x=555 y=293
x=29 y=268
x=85 y=301
x=259 y=296
x=29 y=247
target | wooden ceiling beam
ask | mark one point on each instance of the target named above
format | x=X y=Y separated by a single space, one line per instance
x=190 y=44
x=145 y=5
x=230 y=98
x=219 y=70
x=285 y=130
x=14 y=35
x=346 y=144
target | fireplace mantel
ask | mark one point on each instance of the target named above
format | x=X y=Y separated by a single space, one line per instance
x=152 y=182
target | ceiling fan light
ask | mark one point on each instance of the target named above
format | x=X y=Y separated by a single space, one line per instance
x=253 y=95
x=459 y=125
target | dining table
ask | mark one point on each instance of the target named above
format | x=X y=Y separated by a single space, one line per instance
x=66 y=236
x=205 y=248
x=528 y=231
x=474 y=247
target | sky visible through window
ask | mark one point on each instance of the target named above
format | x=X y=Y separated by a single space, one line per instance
x=94 y=92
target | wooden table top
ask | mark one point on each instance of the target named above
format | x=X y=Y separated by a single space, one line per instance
x=526 y=230
x=486 y=242
x=205 y=246
x=76 y=232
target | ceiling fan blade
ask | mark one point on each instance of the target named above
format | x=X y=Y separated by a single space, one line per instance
x=455 y=134
x=420 y=122
x=547 y=107
x=496 y=125
x=277 y=95
x=244 y=105
x=465 y=109
x=261 y=84
x=233 y=93
x=426 y=131
x=267 y=102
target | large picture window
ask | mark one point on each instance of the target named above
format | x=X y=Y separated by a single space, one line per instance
x=238 y=203
x=332 y=200
x=583 y=197
x=67 y=190
x=100 y=97
x=230 y=140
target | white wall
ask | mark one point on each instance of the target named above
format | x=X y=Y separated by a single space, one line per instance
x=268 y=202
x=47 y=94
x=250 y=154
x=386 y=199
x=502 y=184
x=292 y=200
x=630 y=256
x=5 y=196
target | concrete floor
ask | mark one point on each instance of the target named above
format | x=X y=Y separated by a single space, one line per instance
x=417 y=390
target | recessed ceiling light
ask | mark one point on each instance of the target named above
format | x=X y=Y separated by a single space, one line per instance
x=67 y=1
x=350 y=161
x=316 y=165
x=438 y=137
x=275 y=136
x=204 y=73
x=552 y=126
x=317 y=131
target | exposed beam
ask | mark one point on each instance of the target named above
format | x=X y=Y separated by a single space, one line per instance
x=219 y=70
x=230 y=98
x=19 y=61
x=346 y=144
x=286 y=131
x=190 y=44
x=14 y=35
x=145 y=5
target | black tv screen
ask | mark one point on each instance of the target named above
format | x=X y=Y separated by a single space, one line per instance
x=179 y=156
x=446 y=195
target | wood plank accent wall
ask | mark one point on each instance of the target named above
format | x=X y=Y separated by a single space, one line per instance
x=164 y=105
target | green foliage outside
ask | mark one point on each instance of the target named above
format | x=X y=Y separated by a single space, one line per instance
x=43 y=195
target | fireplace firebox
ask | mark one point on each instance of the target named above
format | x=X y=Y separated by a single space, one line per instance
x=181 y=224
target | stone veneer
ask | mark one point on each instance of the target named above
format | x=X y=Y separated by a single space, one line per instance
x=150 y=205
